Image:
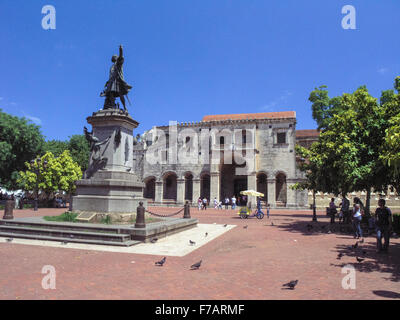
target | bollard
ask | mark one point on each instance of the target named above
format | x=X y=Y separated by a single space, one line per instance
x=8 y=210
x=140 y=223
x=186 y=210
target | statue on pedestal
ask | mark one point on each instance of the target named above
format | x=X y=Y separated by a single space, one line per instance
x=96 y=161
x=116 y=86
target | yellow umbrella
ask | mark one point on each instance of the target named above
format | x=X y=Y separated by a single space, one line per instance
x=252 y=193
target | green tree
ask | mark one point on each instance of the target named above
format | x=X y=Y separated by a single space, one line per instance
x=54 y=174
x=349 y=149
x=56 y=147
x=20 y=141
x=391 y=147
x=79 y=149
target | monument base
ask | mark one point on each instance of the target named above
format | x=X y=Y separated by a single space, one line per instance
x=109 y=192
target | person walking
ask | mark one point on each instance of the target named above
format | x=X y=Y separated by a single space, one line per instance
x=205 y=203
x=258 y=205
x=268 y=207
x=233 y=203
x=357 y=216
x=344 y=210
x=332 y=210
x=215 y=203
x=200 y=203
x=383 y=225
x=226 y=203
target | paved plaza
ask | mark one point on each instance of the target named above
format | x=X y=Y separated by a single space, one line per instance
x=237 y=263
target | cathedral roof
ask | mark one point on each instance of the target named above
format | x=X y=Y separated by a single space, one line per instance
x=307 y=133
x=250 y=116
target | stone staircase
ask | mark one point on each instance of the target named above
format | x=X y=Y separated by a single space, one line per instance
x=66 y=232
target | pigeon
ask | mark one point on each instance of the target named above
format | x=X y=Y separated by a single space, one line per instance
x=340 y=255
x=291 y=284
x=154 y=240
x=64 y=242
x=192 y=242
x=362 y=240
x=206 y=234
x=196 y=265
x=360 y=259
x=128 y=170
x=355 y=246
x=225 y=225
x=329 y=231
x=245 y=227
x=9 y=239
x=161 y=262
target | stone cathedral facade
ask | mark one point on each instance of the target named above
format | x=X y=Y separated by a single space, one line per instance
x=222 y=155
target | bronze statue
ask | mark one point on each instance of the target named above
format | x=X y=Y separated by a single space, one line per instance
x=96 y=160
x=116 y=86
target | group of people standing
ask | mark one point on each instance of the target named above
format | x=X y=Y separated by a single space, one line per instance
x=381 y=220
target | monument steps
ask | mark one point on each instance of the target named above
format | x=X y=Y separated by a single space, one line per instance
x=70 y=232
x=66 y=233
x=69 y=240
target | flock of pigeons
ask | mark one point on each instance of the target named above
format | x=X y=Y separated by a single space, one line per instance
x=194 y=266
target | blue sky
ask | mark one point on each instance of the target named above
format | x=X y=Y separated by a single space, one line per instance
x=190 y=58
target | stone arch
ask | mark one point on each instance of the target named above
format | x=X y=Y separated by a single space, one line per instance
x=232 y=180
x=169 y=185
x=280 y=188
x=205 y=180
x=149 y=191
x=262 y=184
x=188 y=176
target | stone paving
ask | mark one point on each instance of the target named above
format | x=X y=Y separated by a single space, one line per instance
x=242 y=263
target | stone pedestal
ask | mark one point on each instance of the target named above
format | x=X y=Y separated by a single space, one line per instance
x=8 y=210
x=110 y=185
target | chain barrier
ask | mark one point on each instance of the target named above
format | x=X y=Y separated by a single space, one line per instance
x=164 y=215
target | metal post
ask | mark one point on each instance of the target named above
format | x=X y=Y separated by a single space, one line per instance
x=186 y=210
x=140 y=222
x=8 y=210
x=36 y=192
x=314 y=218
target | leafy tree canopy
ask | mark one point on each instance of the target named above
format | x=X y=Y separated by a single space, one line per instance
x=54 y=174
x=20 y=141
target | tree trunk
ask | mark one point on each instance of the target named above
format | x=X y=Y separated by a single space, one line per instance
x=368 y=202
x=70 y=202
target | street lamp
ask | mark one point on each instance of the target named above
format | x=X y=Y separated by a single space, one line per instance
x=314 y=216
x=35 y=165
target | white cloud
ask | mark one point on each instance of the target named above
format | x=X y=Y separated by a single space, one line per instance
x=383 y=70
x=34 y=119
x=278 y=101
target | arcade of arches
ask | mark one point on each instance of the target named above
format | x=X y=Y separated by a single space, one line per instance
x=172 y=189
